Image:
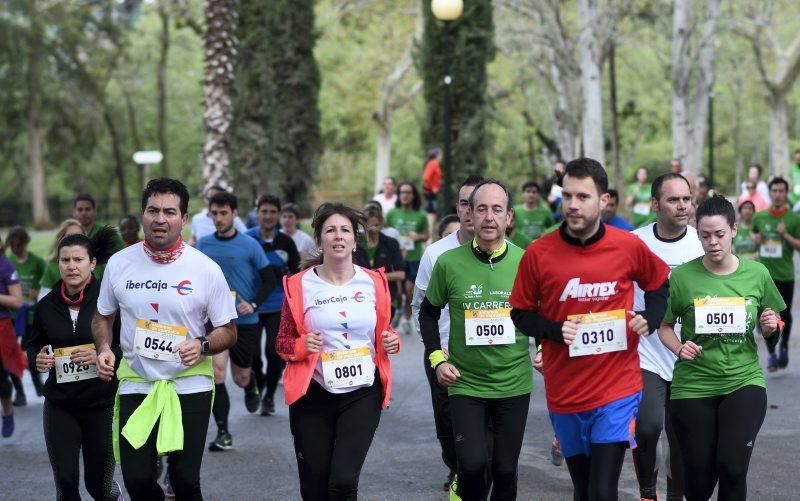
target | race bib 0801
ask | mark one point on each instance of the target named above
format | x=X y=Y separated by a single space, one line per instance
x=599 y=333
x=489 y=327
x=352 y=368
x=720 y=315
x=68 y=371
x=155 y=340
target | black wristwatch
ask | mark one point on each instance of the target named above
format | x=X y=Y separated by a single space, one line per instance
x=254 y=305
x=203 y=344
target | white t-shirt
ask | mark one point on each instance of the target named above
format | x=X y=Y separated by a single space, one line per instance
x=344 y=314
x=387 y=204
x=429 y=258
x=203 y=225
x=181 y=293
x=653 y=355
x=304 y=243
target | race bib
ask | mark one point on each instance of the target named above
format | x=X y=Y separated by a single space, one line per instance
x=599 y=333
x=753 y=256
x=641 y=208
x=406 y=243
x=489 y=327
x=155 y=340
x=68 y=371
x=348 y=368
x=772 y=249
x=720 y=315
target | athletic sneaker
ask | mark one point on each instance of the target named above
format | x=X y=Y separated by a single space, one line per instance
x=8 y=425
x=772 y=363
x=267 y=406
x=119 y=489
x=223 y=442
x=450 y=477
x=556 y=457
x=783 y=357
x=20 y=400
x=167 y=488
x=453 y=495
x=251 y=399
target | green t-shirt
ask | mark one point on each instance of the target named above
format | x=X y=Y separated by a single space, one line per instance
x=796 y=181
x=30 y=272
x=406 y=221
x=532 y=223
x=744 y=245
x=641 y=211
x=781 y=267
x=467 y=284
x=118 y=246
x=519 y=240
x=728 y=361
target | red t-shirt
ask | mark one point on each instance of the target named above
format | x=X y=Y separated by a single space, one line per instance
x=557 y=279
x=432 y=177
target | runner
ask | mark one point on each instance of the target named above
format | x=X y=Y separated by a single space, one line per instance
x=84 y=209
x=412 y=224
x=574 y=294
x=12 y=360
x=250 y=279
x=447 y=226
x=129 y=229
x=336 y=338
x=743 y=244
x=432 y=183
x=532 y=216
x=439 y=399
x=719 y=398
x=78 y=407
x=776 y=231
x=610 y=216
x=281 y=253
x=203 y=224
x=759 y=186
x=387 y=198
x=290 y=217
x=671 y=239
x=487 y=368
x=164 y=291
x=638 y=198
x=51 y=273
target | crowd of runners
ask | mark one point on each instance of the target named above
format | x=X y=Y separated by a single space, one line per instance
x=639 y=325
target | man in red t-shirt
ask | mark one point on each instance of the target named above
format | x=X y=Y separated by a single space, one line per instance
x=432 y=183
x=574 y=294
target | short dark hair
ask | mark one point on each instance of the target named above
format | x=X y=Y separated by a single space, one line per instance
x=582 y=168
x=416 y=202
x=128 y=216
x=779 y=180
x=532 y=184
x=716 y=206
x=268 y=199
x=757 y=166
x=613 y=194
x=165 y=185
x=19 y=234
x=100 y=247
x=444 y=222
x=291 y=207
x=655 y=188
x=471 y=180
x=215 y=187
x=84 y=197
x=224 y=198
x=509 y=206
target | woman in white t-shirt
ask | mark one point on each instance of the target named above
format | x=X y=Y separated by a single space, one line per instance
x=388 y=195
x=335 y=335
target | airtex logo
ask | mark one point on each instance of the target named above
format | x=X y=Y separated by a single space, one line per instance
x=576 y=290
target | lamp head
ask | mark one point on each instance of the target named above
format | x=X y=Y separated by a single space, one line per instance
x=447 y=10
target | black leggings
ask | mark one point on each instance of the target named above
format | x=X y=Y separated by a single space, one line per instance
x=786 y=289
x=652 y=418
x=275 y=364
x=67 y=431
x=716 y=436
x=6 y=388
x=139 y=466
x=332 y=434
x=441 y=416
x=507 y=417
x=595 y=477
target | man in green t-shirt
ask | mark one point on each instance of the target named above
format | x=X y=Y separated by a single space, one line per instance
x=487 y=369
x=796 y=176
x=776 y=231
x=29 y=266
x=412 y=224
x=532 y=216
x=84 y=209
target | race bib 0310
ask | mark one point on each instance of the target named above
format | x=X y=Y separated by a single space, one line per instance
x=599 y=333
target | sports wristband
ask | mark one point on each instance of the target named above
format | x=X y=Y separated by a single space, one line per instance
x=436 y=358
x=678 y=353
x=538 y=348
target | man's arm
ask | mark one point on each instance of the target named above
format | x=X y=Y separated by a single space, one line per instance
x=429 y=325
x=13 y=299
x=533 y=324
x=268 y=284
x=221 y=338
x=102 y=332
x=655 y=306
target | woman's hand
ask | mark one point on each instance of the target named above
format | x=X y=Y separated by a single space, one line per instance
x=768 y=321
x=689 y=351
x=391 y=342
x=44 y=360
x=84 y=356
x=313 y=341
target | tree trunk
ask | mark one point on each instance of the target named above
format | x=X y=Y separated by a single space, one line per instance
x=134 y=127
x=219 y=43
x=778 y=136
x=161 y=119
x=41 y=211
x=681 y=66
x=383 y=147
x=592 y=102
x=119 y=162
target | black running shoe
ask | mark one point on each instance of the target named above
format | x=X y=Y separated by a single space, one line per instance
x=252 y=398
x=267 y=406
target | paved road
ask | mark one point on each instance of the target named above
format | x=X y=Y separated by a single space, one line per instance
x=403 y=462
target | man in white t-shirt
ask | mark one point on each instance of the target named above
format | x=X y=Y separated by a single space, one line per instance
x=439 y=399
x=164 y=290
x=388 y=195
x=290 y=215
x=203 y=224
x=675 y=242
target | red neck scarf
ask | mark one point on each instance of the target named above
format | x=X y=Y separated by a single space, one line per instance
x=165 y=256
x=72 y=302
x=778 y=212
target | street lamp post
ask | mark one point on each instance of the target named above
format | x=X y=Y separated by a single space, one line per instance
x=446 y=10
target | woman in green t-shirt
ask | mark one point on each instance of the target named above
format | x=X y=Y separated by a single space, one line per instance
x=743 y=244
x=638 y=199
x=718 y=394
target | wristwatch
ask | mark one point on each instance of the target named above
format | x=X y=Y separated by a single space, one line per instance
x=203 y=344
x=254 y=305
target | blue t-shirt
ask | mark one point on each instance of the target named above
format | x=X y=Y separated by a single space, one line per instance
x=241 y=259
x=618 y=221
x=283 y=258
x=8 y=277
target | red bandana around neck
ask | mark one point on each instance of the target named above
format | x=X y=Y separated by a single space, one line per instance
x=68 y=300
x=778 y=212
x=164 y=256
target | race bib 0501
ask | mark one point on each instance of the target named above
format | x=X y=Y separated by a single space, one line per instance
x=720 y=315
